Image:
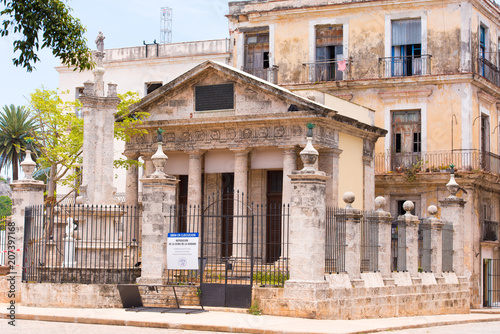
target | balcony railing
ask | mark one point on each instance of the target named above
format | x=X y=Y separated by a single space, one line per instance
x=404 y=66
x=327 y=70
x=489 y=230
x=488 y=70
x=269 y=74
x=463 y=160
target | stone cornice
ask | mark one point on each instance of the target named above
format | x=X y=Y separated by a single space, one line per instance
x=486 y=98
x=410 y=93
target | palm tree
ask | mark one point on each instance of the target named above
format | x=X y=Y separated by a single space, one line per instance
x=16 y=123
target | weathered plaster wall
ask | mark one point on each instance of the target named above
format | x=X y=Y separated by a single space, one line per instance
x=351 y=168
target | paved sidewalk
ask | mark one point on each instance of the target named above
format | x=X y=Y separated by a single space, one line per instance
x=238 y=322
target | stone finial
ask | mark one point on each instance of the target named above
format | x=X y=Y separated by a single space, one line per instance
x=380 y=203
x=408 y=206
x=432 y=210
x=159 y=159
x=349 y=198
x=309 y=154
x=88 y=88
x=452 y=185
x=112 y=89
x=28 y=165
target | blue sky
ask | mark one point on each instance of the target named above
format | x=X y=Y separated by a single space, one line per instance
x=124 y=23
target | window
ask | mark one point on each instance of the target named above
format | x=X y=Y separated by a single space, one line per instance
x=257 y=53
x=406 y=47
x=152 y=86
x=482 y=41
x=329 y=52
x=78 y=93
x=407 y=138
x=214 y=97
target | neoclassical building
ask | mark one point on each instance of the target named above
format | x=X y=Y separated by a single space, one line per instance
x=227 y=130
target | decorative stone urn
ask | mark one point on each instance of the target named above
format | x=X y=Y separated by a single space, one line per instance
x=309 y=154
x=159 y=158
x=453 y=186
x=28 y=165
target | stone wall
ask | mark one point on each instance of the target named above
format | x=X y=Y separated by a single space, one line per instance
x=375 y=302
x=4 y=287
x=163 y=296
x=70 y=295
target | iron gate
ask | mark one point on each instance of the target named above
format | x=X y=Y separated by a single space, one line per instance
x=491 y=269
x=227 y=251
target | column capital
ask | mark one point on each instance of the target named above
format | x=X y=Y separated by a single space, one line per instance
x=132 y=155
x=195 y=153
x=27 y=185
x=290 y=149
x=240 y=151
x=332 y=151
x=146 y=155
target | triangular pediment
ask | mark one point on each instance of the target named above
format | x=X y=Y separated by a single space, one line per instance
x=207 y=90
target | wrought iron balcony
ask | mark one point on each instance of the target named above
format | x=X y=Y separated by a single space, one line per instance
x=489 y=230
x=437 y=161
x=331 y=70
x=487 y=69
x=269 y=74
x=404 y=66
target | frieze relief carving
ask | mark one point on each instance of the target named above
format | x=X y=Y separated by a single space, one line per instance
x=273 y=135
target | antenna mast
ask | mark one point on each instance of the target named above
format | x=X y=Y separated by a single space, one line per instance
x=166 y=25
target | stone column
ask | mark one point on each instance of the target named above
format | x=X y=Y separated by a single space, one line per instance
x=384 y=238
x=240 y=224
x=436 y=241
x=149 y=168
x=369 y=174
x=99 y=119
x=26 y=192
x=159 y=194
x=329 y=163
x=195 y=185
x=412 y=224
x=132 y=181
x=289 y=165
x=452 y=209
x=353 y=238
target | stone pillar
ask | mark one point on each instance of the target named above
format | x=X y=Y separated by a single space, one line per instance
x=452 y=210
x=308 y=220
x=412 y=224
x=26 y=192
x=240 y=224
x=159 y=194
x=369 y=174
x=149 y=168
x=329 y=163
x=353 y=238
x=436 y=241
x=289 y=166
x=132 y=181
x=195 y=185
x=384 y=238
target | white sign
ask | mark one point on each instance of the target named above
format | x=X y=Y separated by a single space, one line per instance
x=182 y=251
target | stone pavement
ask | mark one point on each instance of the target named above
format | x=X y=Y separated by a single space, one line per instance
x=235 y=321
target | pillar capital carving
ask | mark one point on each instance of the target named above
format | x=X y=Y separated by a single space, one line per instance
x=196 y=153
x=132 y=155
x=240 y=151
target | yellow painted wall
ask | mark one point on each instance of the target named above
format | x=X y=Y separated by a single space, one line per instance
x=351 y=168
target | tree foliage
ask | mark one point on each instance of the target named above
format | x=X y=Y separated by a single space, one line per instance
x=45 y=24
x=16 y=124
x=5 y=206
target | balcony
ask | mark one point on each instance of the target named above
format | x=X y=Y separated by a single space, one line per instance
x=487 y=69
x=269 y=74
x=331 y=70
x=404 y=66
x=489 y=230
x=437 y=161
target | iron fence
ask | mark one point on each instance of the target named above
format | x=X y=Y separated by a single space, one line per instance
x=437 y=161
x=404 y=66
x=398 y=244
x=81 y=244
x=335 y=240
x=447 y=251
x=238 y=241
x=492 y=282
x=331 y=70
x=369 y=242
x=489 y=230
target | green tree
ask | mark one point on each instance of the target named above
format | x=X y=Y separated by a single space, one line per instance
x=59 y=137
x=5 y=206
x=45 y=24
x=16 y=123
